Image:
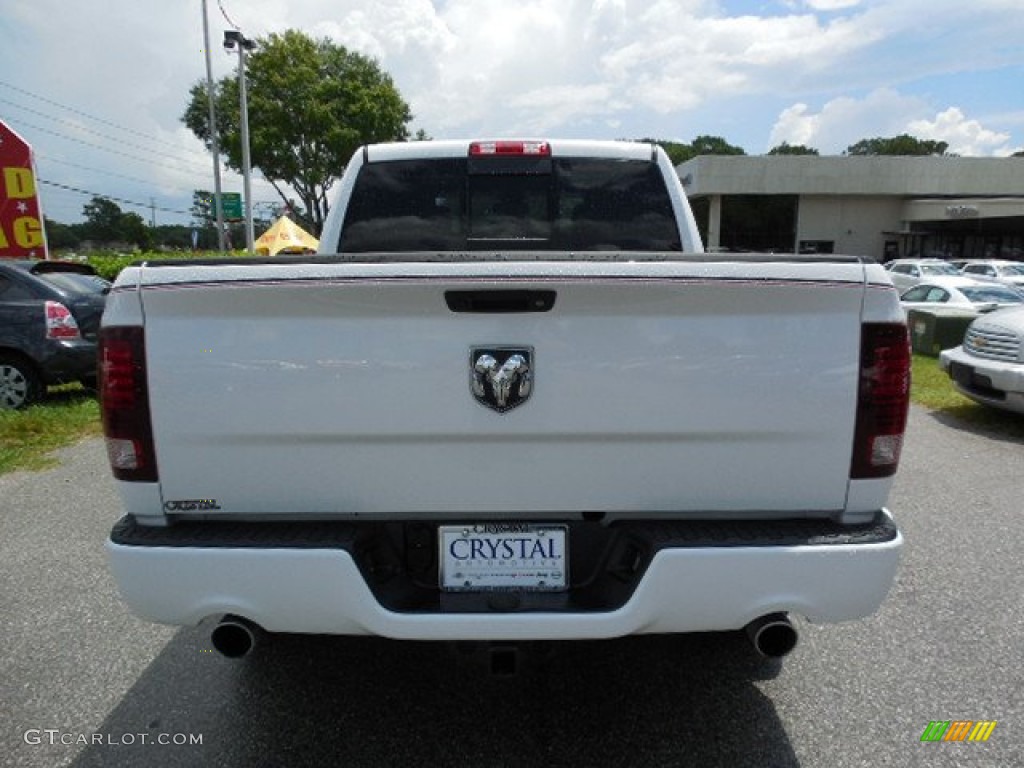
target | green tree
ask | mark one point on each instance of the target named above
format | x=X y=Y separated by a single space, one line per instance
x=311 y=104
x=786 y=148
x=105 y=222
x=715 y=145
x=904 y=144
x=677 y=152
x=133 y=229
x=59 y=235
x=203 y=213
x=102 y=220
x=174 y=236
x=702 y=145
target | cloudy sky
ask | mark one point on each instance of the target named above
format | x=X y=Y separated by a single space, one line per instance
x=98 y=86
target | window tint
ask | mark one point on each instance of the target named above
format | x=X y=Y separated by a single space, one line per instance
x=510 y=208
x=614 y=205
x=75 y=282
x=916 y=294
x=938 y=269
x=12 y=291
x=407 y=206
x=574 y=204
x=981 y=269
x=992 y=293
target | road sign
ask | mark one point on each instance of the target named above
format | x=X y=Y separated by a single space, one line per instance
x=231 y=204
x=21 y=218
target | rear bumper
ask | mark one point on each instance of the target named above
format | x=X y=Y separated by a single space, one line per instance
x=689 y=577
x=62 y=361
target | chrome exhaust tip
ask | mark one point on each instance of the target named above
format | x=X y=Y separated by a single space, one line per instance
x=234 y=636
x=773 y=636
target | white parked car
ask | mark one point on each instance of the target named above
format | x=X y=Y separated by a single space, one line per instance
x=906 y=273
x=989 y=366
x=962 y=292
x=1009 y=272
x=961 y=263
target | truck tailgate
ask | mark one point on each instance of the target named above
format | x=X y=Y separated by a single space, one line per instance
x=689 y=389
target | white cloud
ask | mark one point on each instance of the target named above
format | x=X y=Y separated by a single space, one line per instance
x=884 y=113
x=796 y=126
x=964 y=136
x=845 y=121
x=560 y=105
x=821 y=6
x=832 y=5
x=465 y=64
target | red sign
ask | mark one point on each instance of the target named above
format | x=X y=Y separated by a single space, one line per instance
x=21 y=218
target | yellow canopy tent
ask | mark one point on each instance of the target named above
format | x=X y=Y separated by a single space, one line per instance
x=285 y=236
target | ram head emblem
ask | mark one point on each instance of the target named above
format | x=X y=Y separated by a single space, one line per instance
x=501 y=377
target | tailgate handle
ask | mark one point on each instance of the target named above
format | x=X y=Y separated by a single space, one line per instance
x=500 y=302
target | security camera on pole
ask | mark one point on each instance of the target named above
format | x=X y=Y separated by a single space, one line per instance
x=233 y=38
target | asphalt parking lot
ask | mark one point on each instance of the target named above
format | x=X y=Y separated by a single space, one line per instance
x=84 y=683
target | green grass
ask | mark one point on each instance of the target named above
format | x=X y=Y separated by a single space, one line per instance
x=29 y=437
x=931 y=387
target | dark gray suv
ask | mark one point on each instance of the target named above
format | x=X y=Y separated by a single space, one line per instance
x=49 y=316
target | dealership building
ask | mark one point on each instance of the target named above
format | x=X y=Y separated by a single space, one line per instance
x=880 y=206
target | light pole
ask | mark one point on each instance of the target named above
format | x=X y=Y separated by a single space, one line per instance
x=233 y=38
x=214 y=143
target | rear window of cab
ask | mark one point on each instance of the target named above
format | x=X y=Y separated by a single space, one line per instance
x=509 y=203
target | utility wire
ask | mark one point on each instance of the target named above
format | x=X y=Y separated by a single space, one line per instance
x=86 y=114
x=65 y=187
x=147 y=206
x=226 y=17
x=136 y=179
x=149 y=161
x=104 y=136
x=86 y=129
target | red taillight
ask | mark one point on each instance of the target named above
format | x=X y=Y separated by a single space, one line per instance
x=882 y=401
x=60 y=323
x=504 y=148
x=124 y=404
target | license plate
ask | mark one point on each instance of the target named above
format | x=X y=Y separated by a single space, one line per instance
x=502 y=556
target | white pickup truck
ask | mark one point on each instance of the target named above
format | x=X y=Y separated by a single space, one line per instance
x=511 y=400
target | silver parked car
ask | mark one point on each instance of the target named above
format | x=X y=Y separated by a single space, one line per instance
x=989 y=366
x=1009 y=272
x=962 y=292
x=906 y=273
